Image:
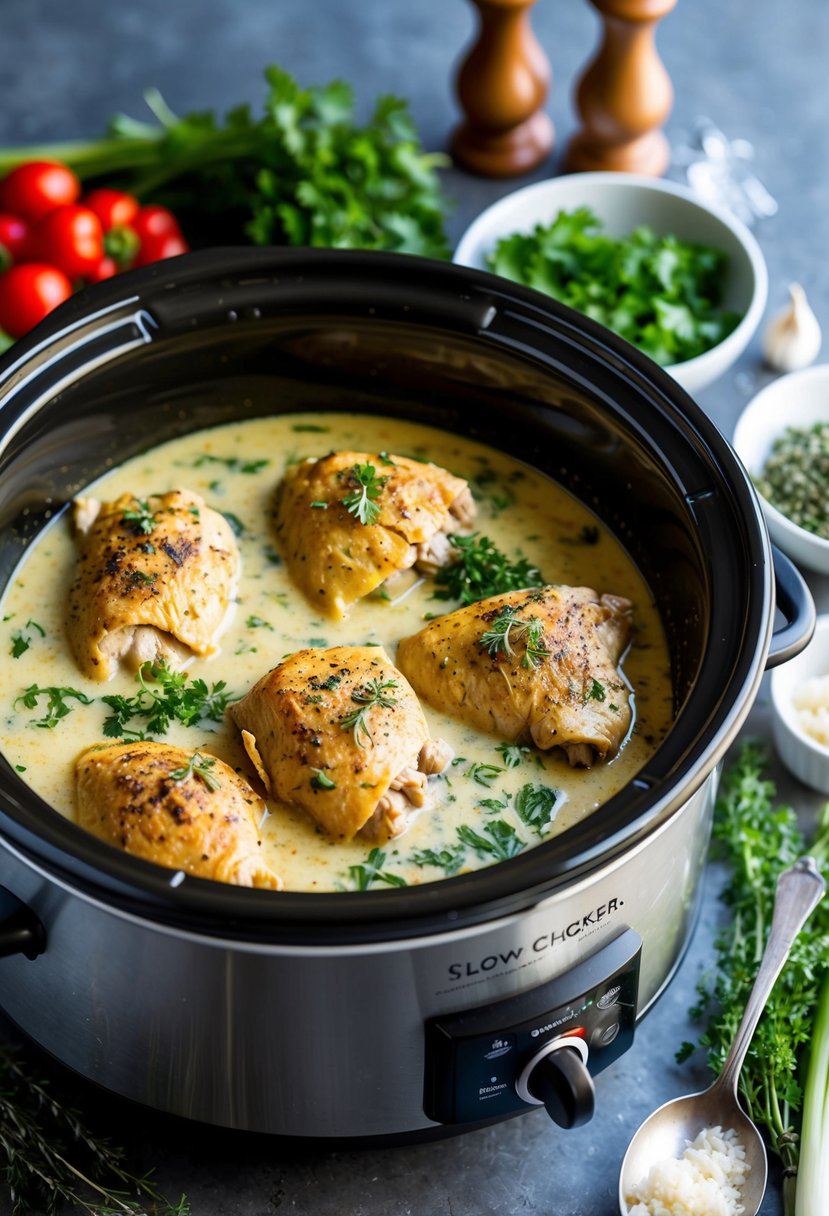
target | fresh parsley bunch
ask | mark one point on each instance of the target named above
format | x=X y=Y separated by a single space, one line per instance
x=305 y=172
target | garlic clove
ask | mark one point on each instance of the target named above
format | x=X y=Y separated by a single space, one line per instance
x=792 y=338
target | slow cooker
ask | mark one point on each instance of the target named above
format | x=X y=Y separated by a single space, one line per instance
x=399 y=1012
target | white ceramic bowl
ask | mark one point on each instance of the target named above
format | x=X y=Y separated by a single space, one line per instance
x=802 y=755
x=622 y=202
x=799 y=400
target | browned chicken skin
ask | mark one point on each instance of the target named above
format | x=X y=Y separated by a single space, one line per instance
x=538 y=666
x=333 y=557
x=154 y=581
x=189 y=811
x=340 y=733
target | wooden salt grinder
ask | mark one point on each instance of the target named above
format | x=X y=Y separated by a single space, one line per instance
x=625 y=94
x=501 y=86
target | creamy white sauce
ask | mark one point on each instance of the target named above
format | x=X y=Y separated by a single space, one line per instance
x=518 y=508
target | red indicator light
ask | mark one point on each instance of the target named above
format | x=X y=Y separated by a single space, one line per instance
x=579 y=1031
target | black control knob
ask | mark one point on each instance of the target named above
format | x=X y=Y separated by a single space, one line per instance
x=560 y=1080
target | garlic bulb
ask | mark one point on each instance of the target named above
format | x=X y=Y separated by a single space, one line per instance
x=792 y=339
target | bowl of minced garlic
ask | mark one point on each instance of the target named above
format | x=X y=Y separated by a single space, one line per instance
x=800 y=711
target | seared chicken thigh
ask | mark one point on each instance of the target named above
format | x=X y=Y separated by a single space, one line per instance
x=155 y=579
x=181 y=809
x=538 y=666
x=340 y=733
x=347 y=521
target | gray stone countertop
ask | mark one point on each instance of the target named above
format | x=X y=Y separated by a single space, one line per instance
x=756 y=68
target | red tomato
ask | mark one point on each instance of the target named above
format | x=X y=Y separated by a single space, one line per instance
x=71 y=238
x=105 y=269
x=156 y=248
x=29 y=292
x=36 y=187
x=113 y=208
x=154 y=221
x=14 y=233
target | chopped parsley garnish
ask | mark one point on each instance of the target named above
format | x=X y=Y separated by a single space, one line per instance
x=482 y=570
x=508 y=628
x=141 y=520
x=170 y=699
x=483 y=774
x=371 y=871
x=535 y=806
x=56 y=703
x=500 y=841
x=198 y=766
x=361 y=502
x=512 y=753
x=236 y=525
x=21 y=641
x=373 y=693
x=595 y=692
x=660 y=293
x=321 y=781
x=448 y=860
x=258 y=622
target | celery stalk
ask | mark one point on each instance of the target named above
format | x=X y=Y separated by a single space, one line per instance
x=812 y=1190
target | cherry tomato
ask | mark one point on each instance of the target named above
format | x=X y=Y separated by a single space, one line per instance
x=29 y=292
x=32 y=189
x=156 y=248
x=105 y=269
x=14 y=233
x=154 y=221
x=71 y=238
x=113 y=208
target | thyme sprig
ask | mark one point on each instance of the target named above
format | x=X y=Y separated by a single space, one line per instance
x=50 y=1157
x=375 y=692
x=198 y=766
x=508 y=628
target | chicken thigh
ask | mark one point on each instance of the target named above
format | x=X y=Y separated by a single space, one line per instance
x=155 y=580
x=347 y=521
x=186 y=810
x=538 y=666
x=341 y=734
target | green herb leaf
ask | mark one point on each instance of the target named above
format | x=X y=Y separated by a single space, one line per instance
x=371 y=870
x=500 y=840
x=371 y=694
x=321 y=781
x=512 y=753
x=361 y=502
x=57 y=706
x=448 y=860
x=535 y=806
x=483 y=774
x=481 y=570
x=198 y=766
x=662 y=294
x=508 y=628
x=141 y=520
x=164 y=696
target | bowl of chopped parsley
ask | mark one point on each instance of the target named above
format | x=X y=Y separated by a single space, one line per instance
x=682 y=280
x=782 y=438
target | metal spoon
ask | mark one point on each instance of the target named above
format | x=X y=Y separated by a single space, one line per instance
x=665 y=1133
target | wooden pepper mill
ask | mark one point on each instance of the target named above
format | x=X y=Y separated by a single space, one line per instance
x=502 y=85
x=625 y=94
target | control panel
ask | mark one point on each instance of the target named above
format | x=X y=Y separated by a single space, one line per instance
x=538 y=1048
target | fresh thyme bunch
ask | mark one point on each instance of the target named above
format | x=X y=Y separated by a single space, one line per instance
x=52 y=1162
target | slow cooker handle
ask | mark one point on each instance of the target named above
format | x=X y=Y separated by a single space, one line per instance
x=20 y=930
x=795 y=603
